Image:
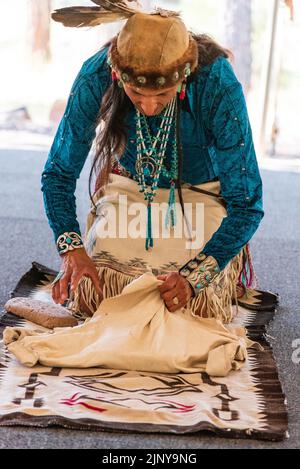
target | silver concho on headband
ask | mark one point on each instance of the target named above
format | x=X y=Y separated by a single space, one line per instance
x=125 y=77
x=187 y=69
x=141 y=80
x=161 y=81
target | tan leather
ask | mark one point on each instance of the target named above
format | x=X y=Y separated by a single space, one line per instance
x=135 y=331
x=167 y=40
x=150 y=48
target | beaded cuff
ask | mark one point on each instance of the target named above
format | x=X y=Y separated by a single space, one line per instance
x=200 y=271
x=69 y=241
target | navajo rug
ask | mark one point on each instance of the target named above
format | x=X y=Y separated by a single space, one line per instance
x=248 y=403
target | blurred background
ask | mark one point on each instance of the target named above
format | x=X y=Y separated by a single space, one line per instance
x=40 y=59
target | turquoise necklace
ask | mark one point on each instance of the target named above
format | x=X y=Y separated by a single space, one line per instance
x=151 y=152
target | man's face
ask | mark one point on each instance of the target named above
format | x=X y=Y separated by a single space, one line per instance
x=150 y=101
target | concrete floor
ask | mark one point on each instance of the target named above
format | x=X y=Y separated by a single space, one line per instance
x=26 y=236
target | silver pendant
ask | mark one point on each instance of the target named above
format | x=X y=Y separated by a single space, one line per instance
x=146 y=165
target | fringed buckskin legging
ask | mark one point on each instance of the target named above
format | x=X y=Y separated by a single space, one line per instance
x=114 y=241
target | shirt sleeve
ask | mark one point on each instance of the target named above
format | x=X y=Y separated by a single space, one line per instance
x=68 y=154
x=240 y=180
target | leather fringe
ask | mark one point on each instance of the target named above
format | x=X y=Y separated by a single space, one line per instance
x=215 y=301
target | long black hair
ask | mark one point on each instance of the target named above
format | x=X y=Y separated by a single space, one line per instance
x=112 y=138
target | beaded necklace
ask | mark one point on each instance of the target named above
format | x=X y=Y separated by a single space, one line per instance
x=151 y=152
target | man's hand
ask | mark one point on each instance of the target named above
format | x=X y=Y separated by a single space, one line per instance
x=75 y=265
x=175 y=285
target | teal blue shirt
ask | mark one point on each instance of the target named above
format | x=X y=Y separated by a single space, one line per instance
x=216 y=139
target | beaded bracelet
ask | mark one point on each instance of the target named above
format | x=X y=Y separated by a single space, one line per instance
x=69 y=241
x=200 y=271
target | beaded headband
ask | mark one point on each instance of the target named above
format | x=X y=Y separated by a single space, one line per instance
x=166 y=77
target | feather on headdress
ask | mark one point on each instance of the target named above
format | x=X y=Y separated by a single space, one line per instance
x=108 y=11
x=151 y=50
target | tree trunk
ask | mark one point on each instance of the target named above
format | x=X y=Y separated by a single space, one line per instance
x=40 y=28
x=237 y=36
